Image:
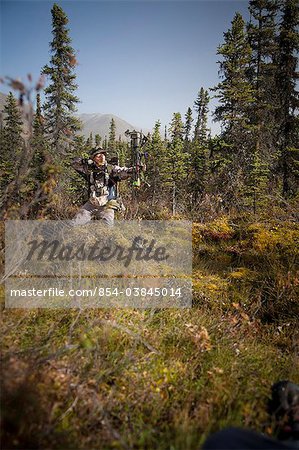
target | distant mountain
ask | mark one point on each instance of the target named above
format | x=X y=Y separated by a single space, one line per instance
x=95 y=123
x=100 y=124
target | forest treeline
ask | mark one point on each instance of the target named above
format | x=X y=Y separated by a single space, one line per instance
x=250 y=165
x=163 y=378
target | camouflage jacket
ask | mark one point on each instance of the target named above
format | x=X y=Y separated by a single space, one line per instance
x=102 y=180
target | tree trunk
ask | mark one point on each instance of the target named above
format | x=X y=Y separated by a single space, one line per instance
x=173 y=199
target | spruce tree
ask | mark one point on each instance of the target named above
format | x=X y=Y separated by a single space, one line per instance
x=187 y=132
x=174 y=169
x=257 y=182
x=80 y=145
x=61 y=123
x=11 y=143
x=77 y=185
x=200 y=148
x=234 y=92
x=261 y=35
x=112 y=136
x=89 y=143
x=188 y=124
x=105 y=143
x=38 y=143
x=201 y=108
x=287 y=77
x=154 y=174
x=124 y=152
x=262 y=38
x=262 y=31
x=198 y=171
x=98 y=139
x=39 y=182
x=11 y=153
x=60 y=106
x=235 y=95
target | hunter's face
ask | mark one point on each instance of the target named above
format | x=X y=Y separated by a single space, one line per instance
x=99 y=159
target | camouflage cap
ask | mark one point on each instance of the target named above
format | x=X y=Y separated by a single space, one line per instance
x=97 y=151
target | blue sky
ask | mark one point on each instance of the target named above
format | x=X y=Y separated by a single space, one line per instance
x=139 y=60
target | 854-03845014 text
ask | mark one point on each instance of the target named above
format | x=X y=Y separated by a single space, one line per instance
x=99 y=291
x=92 y=292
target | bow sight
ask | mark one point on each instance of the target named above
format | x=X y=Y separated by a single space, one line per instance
x=137 y=142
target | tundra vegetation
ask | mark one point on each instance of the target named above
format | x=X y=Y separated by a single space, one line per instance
x=164 y=379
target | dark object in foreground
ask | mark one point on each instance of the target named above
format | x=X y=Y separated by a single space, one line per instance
x=284 y=408
x=240 y=439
